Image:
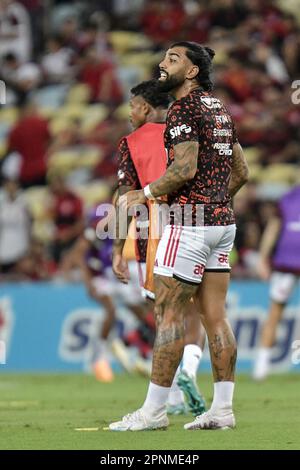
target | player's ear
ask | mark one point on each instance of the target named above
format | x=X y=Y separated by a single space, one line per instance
x=192 y=72
x=146 y=108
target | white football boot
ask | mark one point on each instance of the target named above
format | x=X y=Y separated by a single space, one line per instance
x=213 y=419
x=139 y=421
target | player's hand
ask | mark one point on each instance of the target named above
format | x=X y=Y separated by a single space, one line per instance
x=264 y=269
x=132 y=198
x=120 y=268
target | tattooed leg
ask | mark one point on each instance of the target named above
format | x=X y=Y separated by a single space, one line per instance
x=194 y=329
x=212 y=295
x=171 y=302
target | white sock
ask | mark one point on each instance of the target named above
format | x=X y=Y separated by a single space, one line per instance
x=156 y=399
x=223 y=395
x=192 y=355
x=100 y=349
x=262 y=363
x=176 y=396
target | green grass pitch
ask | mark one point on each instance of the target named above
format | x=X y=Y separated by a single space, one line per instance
x=43 y=411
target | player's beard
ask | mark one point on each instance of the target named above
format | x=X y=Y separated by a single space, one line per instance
x=171 y=83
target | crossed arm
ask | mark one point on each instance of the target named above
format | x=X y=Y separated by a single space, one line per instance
x=182 y=169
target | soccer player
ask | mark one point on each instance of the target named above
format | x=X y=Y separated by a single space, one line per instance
x=142 y=159
x=206 y=167
x=93 y=256
x=282 y=238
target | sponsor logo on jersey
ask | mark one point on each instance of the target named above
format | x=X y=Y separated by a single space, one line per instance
x=210 y=102
x=223 y=149
x=222 y=119
x=223 y=259
x=222 y=132
x=178 y=130
x=199 y=269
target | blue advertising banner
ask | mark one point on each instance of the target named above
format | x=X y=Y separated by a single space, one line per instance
x=52 y=326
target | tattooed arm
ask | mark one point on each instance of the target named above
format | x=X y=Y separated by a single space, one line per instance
x=240 y=171
x=180 y=171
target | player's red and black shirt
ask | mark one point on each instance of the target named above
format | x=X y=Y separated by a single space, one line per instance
x=201 y=117
x=127 y=176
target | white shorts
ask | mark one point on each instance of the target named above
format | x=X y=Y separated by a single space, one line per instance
x=130 y=293
x=282 y=286
x=186 y=252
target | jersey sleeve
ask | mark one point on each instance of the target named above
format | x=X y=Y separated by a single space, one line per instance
x=127 y=175
x=182 y=123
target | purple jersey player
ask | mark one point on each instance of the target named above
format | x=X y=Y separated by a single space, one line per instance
x=279 y=261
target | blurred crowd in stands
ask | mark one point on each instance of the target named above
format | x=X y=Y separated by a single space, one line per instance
x=68 y=68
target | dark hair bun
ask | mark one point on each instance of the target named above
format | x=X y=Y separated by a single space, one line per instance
x=210 y=52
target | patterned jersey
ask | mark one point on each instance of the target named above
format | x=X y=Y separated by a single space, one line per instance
x=203 y=118
x=127 y=176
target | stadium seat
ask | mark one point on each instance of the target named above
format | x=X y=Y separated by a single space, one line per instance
x=123 y=41
x=143 y=62
x=8 y=117
x=143 y=59
x=93 y=115
x=280 y=173
x=78 y=94
x=42 y=225
x=89 y=157
x=81 y=156
x=47 y=112
x=3 y=148
x=94 y=193
x=252 y=154
x=58 y=124
x=122 y=112
x=72 y=111
x=63 y=161
x=36 y=198
x=256 y=171
x=51 y=96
